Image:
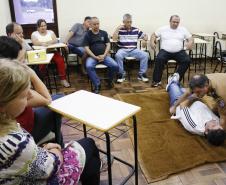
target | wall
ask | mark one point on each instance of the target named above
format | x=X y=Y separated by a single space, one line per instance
x=196 y=15
x=5 y=16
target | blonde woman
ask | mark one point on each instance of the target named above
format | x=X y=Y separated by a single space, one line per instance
x=44 y=37
x=37 y=119
x=21 y=160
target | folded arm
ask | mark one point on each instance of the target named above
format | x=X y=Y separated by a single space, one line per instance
x=39 y=95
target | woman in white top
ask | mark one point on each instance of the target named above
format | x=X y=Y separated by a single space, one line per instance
x=44 y=37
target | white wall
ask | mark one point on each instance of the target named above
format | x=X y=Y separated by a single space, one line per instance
x=197 y=15
x=5 y=16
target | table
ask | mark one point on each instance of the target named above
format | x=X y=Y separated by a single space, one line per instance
x=202 y=35
x=34 y=66
x=203 y=46
x=52 y=46
x=210 y=38
x=223 y=36
x=60 y=47
x=103 y=114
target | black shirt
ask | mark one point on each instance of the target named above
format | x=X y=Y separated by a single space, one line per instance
x=96 y=42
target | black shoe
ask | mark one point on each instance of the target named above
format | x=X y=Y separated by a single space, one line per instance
x=96 y=89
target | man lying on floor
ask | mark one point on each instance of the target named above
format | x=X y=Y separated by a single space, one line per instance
x=193 y=114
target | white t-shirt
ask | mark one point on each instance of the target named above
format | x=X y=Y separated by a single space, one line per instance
x=172 y=39
x=43 y=38
x=194 y=118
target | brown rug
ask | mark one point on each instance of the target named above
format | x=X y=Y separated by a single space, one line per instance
x=165 y=147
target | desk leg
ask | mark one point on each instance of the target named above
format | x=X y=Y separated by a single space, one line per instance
x=135 y=149
x=108 y=143
x=196 y=55
x=84 y=130
x=205 y=59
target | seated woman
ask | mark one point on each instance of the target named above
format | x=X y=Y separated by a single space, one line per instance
x=21 y=160
x=44 y=37
x=36 y=118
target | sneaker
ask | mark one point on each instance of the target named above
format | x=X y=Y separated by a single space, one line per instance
x=143 y=77
x=172 y=78
x=104 y=163
x=156 y=84
x=121 y=78
x=65 y=83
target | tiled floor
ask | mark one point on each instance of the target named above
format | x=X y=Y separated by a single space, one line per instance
x=210 y=174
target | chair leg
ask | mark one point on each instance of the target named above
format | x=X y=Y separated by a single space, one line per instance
x=221 y=67
x=189 y=70
x=167 y=71
x=216 y=66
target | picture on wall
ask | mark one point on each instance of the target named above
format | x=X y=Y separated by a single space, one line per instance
x=29 y=11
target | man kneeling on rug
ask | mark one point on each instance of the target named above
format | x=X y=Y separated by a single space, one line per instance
x=193 y=114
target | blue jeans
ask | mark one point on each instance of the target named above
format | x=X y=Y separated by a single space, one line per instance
x=45 y=121
x=137 y=53
x=90 y=68
x=175 y=91
x=77 y=50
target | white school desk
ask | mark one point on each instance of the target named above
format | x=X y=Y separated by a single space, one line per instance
x=208 y=37
x=203 y=35
x=101 y=113
x=52 y=46
x=61 y=47
x=203 y=47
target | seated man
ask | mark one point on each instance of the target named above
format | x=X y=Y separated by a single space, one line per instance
x=97 y=46
x=15 y=31
x=194 y=115
x=171 y=42
x=75 y=39
x=127 y=37
x=36 y=118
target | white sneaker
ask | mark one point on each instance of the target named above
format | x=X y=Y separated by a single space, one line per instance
x=143 y=77
x=65 y=83
x=175 y=77
x=121 y=79
x=156 y=84
x=172 y=78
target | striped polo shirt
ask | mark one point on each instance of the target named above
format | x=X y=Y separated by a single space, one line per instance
x=128 y=38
